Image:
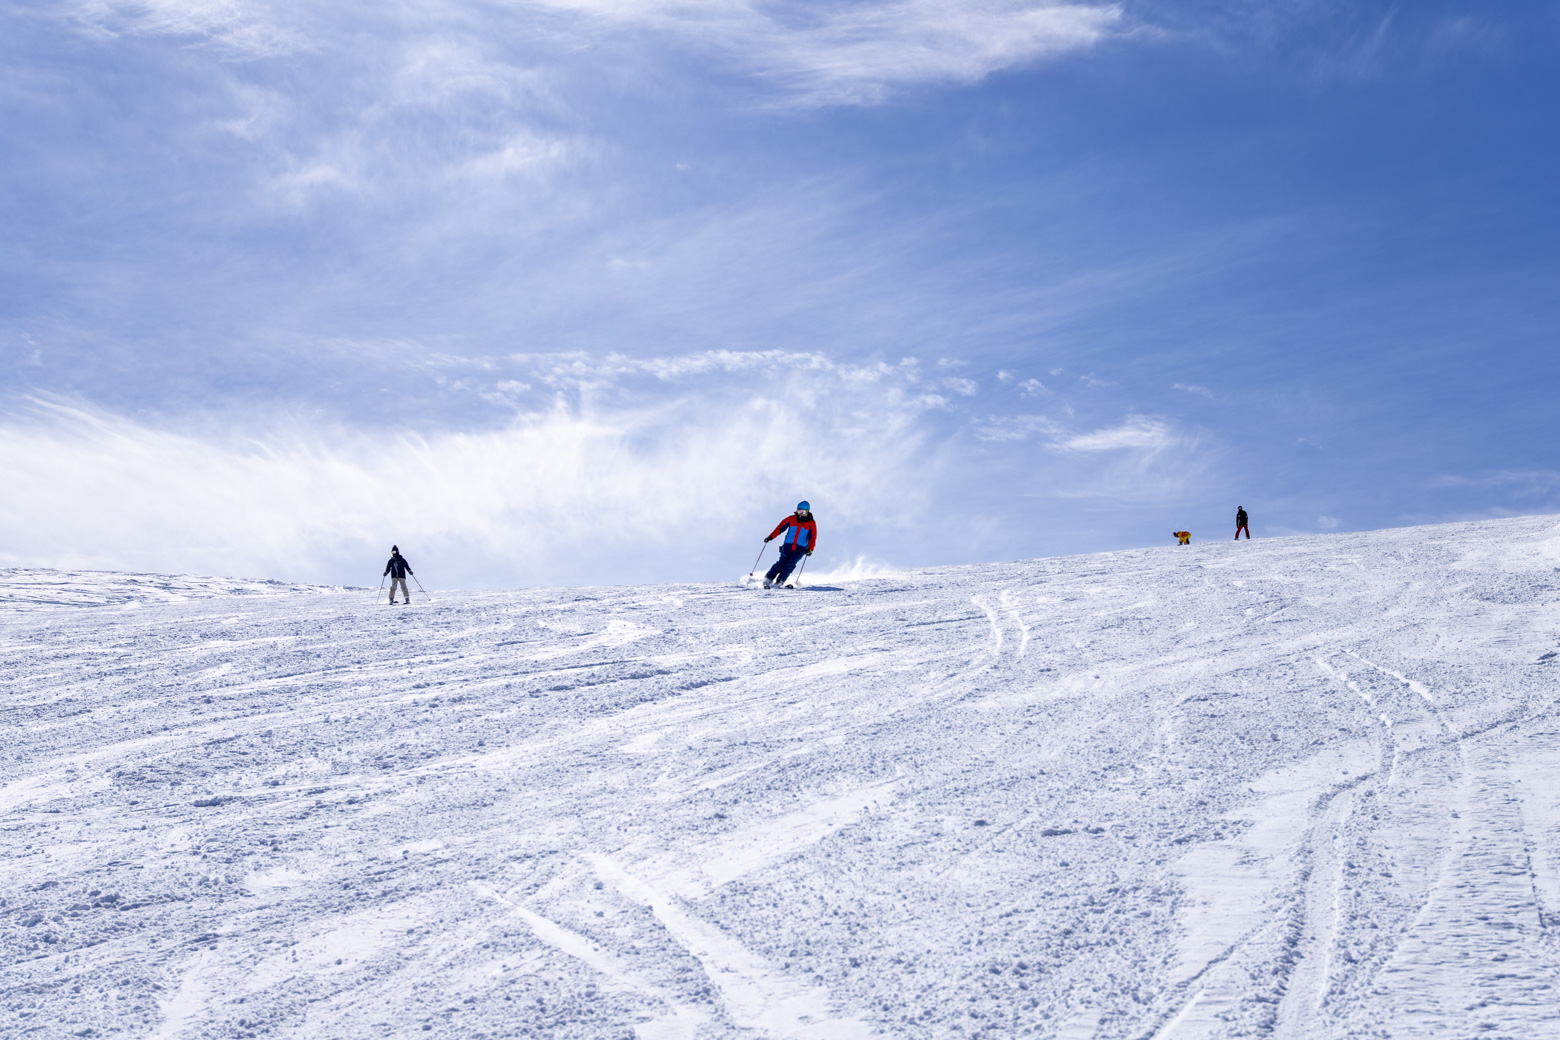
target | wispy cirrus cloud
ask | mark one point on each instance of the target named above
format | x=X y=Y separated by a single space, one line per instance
x=813 y=54
x=390 y=104
x=860 y=52
x=424 y=117
x=1138 y=433
x=245 y=29
x=1139 y=462
x=1017 y=428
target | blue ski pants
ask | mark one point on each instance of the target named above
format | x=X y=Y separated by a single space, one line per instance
x=790 y=556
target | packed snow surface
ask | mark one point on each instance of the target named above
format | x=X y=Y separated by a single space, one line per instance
x=1303 y=787
x=42 y=587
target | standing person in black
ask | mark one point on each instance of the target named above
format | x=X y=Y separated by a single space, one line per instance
x=1240 y=523
x=398 y=569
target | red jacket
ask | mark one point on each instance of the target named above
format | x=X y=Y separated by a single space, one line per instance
x=803 y=533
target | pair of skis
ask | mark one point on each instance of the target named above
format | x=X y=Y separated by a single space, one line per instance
x=795 y=584
x=392 y=602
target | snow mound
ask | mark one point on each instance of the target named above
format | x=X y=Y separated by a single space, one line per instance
x=37 y=587
x=1302 y=788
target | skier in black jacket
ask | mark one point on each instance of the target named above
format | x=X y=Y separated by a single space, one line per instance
x=398 y=569
x=1240 y=523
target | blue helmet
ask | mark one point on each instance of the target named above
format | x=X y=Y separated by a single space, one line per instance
x=807 y=506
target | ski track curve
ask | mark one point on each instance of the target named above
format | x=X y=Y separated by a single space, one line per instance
x=1301 y=788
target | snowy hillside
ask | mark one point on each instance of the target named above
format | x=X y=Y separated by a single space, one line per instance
x=44 y=587
x=1302 y=788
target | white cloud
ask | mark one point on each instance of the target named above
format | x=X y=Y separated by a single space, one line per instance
x=415 y=116
x=240 y=27
x=385 y=101
x=861 y=51
x=856 y=53
x=1139 y=463
x=522 y=152
x=1193 y=388
x=842 y=53
x=569 y=493
x=1137 y=433
x=1016 y=427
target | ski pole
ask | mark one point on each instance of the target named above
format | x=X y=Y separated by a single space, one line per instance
x=760 y=556
x=420 y=588
x=381 y=589
x=798 y=582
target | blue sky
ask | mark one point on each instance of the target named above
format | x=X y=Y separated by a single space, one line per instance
x=591 y=291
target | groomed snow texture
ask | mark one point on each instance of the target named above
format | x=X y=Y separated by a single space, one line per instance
x=1303 y=787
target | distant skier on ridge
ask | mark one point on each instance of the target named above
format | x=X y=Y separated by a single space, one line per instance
x=1240 y=523
x=801 y=538
x=398 y=569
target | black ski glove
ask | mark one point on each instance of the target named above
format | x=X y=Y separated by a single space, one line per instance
x=768 y=540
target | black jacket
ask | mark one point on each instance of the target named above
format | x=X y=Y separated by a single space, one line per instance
x=398 y=568
x=1240 y=518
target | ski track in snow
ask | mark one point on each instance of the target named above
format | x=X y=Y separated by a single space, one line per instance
x=1301 y=788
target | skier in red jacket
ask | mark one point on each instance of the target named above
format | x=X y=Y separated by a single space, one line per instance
x=801 y=538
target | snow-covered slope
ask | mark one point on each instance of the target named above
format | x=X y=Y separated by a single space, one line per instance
x=41 y=587
x=1302 y=788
